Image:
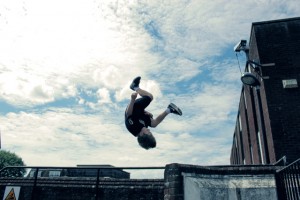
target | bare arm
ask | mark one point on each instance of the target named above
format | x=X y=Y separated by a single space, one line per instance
x=129 y=108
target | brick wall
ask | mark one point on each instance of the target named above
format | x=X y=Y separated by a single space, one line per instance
x=271 y=42
x=85 y=188
x=279 y=42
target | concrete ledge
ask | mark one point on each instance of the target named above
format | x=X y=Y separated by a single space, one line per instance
x=230 y=182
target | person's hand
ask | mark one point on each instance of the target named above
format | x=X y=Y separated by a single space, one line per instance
x=134 y=95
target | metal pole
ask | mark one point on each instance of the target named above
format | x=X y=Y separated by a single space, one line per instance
x=294 y=182
x=34 y=184
x=97 y=184
x=297 y=172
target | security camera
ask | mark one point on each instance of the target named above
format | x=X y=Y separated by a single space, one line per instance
x=240 y=46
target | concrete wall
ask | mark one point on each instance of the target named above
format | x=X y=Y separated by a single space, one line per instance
x=231 y=187
x=190 y=182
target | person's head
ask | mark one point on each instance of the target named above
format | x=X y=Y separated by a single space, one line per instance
x=146 y=139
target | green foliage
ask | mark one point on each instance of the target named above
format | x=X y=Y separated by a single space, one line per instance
x=11 y=159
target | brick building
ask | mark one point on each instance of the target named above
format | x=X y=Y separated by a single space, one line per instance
x=274 y=47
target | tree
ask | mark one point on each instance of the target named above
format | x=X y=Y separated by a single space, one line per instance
x=11 y=159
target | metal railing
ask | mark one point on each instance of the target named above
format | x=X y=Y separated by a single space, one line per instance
x=36 y=176
x=288 y=182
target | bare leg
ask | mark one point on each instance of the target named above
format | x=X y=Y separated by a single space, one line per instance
x=159 y=119
x=144 y=93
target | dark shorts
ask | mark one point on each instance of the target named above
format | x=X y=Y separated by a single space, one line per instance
x=138 y=119
x=141 y=103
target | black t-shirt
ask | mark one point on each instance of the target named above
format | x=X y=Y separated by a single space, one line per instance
x=135 y=122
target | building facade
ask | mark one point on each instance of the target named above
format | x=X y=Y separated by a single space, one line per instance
x=264 y=134
x=103 y=171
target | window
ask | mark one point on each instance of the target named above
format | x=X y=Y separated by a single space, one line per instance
x=240 y=123
x=245 y=100
x=40 y=173
x=260 y=148
x=31 y=173
x=54 y=173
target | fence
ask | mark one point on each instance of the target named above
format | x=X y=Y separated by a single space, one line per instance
x=288 y=182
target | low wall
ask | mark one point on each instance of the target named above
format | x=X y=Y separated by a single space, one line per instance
x=181 y=182
x=85 y=188
x=191 y=182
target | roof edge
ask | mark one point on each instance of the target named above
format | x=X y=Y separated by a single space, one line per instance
x=276 y=20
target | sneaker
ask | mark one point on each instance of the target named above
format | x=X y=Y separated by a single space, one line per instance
x=135 y=83
x=174 y=109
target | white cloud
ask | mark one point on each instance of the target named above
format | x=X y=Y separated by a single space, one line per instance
x=89 y=52
x=61 y=137
x=104 y=96
x=73 y=44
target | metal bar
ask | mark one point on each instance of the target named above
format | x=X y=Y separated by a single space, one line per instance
x=96 y=167
x=285 y=178
x=129 y=168
x=283 y=159
x=290 y=185
x=291 y=178
x=97 y=184
x=282 y=169
x=284 y=188
x=297 y=169
x=289 y=171
x=34 y=184
x=296 y=181
x=294 y=189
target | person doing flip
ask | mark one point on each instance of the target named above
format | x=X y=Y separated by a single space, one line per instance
x=137 y=119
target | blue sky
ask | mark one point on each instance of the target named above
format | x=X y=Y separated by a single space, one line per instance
x=66 y=67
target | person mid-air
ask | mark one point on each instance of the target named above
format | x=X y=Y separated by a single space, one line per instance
x=137 y=119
